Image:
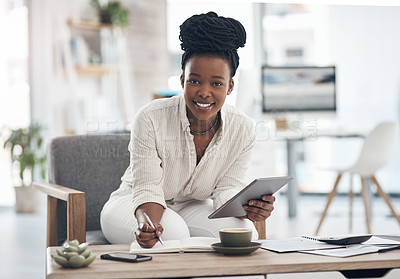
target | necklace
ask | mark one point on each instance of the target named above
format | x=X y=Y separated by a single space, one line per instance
x=206 y=131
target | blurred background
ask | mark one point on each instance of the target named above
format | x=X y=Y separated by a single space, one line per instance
x=60 y=68
x=71 y=68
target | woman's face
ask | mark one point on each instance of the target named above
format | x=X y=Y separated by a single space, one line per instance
x=206 y=82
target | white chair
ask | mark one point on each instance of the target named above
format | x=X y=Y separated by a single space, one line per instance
x=375 y=153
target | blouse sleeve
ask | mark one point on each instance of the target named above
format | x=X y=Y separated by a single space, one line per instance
x=144 y=174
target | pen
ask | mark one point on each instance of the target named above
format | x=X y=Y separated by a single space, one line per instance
x=148 y=220
x=389 y=249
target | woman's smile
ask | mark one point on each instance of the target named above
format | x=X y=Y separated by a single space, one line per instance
x=204 y=106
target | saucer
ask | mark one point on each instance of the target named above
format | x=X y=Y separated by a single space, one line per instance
x=236 y=250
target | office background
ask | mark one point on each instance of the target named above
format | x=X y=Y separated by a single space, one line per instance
x=360 y=40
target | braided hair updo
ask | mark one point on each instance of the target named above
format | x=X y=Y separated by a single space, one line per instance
x=211 y=34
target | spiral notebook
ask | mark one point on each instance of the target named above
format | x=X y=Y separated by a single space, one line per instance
x=341 y=240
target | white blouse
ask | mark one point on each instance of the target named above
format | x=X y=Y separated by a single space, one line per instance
x=163 y=156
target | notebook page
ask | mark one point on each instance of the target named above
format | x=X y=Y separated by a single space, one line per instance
x=194 y=244
x=168 y=247
x=295 y=244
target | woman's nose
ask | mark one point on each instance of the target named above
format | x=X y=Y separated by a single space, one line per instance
x=204 y=91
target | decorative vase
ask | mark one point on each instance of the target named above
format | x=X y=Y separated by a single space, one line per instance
x=27 y=199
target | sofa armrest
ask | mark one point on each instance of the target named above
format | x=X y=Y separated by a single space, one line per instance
x=76 y=211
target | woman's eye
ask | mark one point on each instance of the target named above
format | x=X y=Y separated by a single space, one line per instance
x=192 y=81
x=217 y=84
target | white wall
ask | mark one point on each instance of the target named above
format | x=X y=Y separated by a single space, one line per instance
x=41 y=55
x=365 y=49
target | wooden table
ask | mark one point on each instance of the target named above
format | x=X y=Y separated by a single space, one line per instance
x=177 y=265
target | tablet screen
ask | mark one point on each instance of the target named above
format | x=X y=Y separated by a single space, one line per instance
x=253 y=191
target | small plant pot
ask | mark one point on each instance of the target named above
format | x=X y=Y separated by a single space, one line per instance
x=27 y=200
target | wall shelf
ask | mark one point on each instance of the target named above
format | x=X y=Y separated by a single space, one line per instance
x=108 y=78
x=97 y=69
x=99 y=42
x=90 y=25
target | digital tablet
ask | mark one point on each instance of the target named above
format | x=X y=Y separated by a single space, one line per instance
x=253 y=191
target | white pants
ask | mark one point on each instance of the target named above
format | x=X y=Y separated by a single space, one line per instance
x=180 y=220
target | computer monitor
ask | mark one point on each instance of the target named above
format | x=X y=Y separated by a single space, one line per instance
x=298 y=89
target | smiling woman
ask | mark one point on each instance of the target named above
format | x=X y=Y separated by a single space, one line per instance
x=189 y=153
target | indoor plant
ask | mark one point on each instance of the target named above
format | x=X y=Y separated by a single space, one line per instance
x=26 y=151
x=112 y=13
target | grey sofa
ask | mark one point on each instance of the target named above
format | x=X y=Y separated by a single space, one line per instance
x=83 y=171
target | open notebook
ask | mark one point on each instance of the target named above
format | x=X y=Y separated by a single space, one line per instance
x=192 y=244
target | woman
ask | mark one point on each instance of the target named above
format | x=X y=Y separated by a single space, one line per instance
x=189 y=153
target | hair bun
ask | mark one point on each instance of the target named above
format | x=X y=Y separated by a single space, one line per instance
x=210 y=32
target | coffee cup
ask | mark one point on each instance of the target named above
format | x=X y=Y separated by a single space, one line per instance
x=235 y=237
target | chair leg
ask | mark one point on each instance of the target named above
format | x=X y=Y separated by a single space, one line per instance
x=331 y=195
x=364 y=193
x=385 y=197
x=351 y=196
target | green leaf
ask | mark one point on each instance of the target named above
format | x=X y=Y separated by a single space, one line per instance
x=112 y=13
x=31 y=142
x=22 y=167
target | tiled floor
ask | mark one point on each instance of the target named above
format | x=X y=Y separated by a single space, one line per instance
x=22 y=253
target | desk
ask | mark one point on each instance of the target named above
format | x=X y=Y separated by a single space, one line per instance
x=291 y=137
x=177 y=265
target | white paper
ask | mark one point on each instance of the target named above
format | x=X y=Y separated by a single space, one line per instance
x=295 y=244
x=376 y=240
x=353 y=250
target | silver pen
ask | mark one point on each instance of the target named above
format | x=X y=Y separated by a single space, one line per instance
x=148 y=220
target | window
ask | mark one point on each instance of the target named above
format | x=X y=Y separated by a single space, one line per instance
x=14 y=86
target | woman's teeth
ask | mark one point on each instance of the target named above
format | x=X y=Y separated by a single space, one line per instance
x=203 y=105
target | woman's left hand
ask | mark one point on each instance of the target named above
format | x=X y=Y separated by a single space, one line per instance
x=259 y=210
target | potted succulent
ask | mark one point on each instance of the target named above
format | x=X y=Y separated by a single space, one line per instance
x=26 y=151
x=112 y=13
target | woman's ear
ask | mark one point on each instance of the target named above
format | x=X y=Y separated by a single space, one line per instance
x=231 y=85
x=182 y=78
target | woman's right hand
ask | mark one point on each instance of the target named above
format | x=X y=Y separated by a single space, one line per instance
x=147 y=236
